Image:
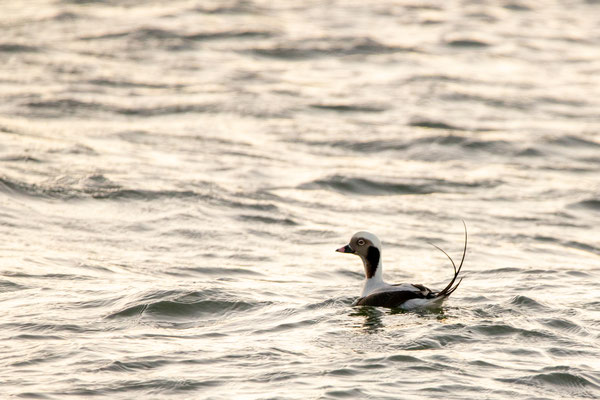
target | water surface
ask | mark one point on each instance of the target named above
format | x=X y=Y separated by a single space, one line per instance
x=175 y=177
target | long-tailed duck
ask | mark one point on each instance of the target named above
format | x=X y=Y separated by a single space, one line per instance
x=403 y=295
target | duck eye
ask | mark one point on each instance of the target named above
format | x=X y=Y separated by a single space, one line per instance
x=360 y=242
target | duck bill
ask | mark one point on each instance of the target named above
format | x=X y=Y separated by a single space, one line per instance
x=345 y=249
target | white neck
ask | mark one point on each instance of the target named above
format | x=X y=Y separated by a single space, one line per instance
x=374 y=283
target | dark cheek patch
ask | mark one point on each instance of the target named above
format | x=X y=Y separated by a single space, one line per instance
x=372 y=261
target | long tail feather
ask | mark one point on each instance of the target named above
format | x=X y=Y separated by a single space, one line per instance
x=449 y=289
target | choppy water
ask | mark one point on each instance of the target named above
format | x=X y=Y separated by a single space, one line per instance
x=175 y=177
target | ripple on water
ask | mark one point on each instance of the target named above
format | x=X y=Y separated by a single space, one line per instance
x=373 y=187
x=94 y=186
x=185 y=305
x=566 y=379
x=527 y=303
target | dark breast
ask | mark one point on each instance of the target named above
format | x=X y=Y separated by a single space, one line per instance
x=395 y=298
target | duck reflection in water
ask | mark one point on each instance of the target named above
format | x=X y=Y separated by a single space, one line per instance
x=373 y=316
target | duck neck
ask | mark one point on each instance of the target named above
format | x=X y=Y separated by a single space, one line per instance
x=373 y=271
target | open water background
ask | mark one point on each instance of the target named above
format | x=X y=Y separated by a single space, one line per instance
x=175 y=177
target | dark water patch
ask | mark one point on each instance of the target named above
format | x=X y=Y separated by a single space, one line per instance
x=583 y=246
x=467 y=43
x=311 y=48
x=33 y=395
x=571 y=141
x=21 y=158
x=343 y=372
x=561 y=101
x=69 y=106
x=237 y=7
x=579 y=274
x=421 y=123
x=403 y=359
x=150 y=388
x=541 y=238
x=65 y=16
x=367 y=146
x=561 y=324
x=347 y=394
x=468 y=143
x=139 y=34
x=27 y=336
x=437 y=78
x=589 y=204
x=483 y=364
x=130 y=366
x=349 y=107
x=231 y=34
x=186 y=232
x=252 y=205
x=8 y=286
x=172 y=40
x=364 y=186
x=268 y=220
x=529 y=152
x=372 y=366
x=131 y=84
x=17 y=48
x=516 y=7
x=500 y=329
x=84 y=1
x=65 y=106
x=170 y=109
x=493 y=102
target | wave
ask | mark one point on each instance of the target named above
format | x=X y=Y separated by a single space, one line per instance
x=8 y=286
x=467 y=43
x=320 y=47
x=571 y=381
x=435 y=147
x=70 y=106
x=573 y=141
x=349 y=107
x=172 y=38
x=185 y=305
x=365 y=186
x=17 y=48
x=525 y=302
x=94 y=186
x=268 y=220
x=422 y=123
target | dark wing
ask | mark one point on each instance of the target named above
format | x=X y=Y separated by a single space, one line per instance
x=425 y=291
x=389 y=299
